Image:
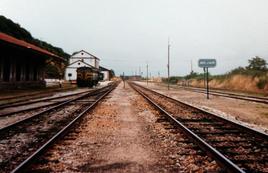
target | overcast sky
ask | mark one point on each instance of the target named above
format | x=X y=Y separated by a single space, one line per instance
x=125 y=34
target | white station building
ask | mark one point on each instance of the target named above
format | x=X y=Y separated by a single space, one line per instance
x=82 y=59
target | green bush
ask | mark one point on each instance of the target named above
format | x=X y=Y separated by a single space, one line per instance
x=51 y=72
x=195 y=75
x=261 y=84
x=172 y=79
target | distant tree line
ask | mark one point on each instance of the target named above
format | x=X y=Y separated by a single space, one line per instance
x=257 y=67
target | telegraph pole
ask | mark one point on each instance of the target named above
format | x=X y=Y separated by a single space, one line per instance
x=204 y=77
x=207 y=85
x=124 y=78
x=159 y=77
x=192 y=66
x=147 y=74
x=168 y=61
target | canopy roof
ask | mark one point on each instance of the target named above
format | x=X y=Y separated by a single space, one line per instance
x=12 y=40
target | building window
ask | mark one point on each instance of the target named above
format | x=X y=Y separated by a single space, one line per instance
x=69 y=74
x=79 y=63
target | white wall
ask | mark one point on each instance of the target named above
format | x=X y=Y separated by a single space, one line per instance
x=105 y=75
x=79 y=60
x=72 y=71
x=97 y=63
x=78 y=64
x=87 y=58
x=90 y=61
x=81 y=54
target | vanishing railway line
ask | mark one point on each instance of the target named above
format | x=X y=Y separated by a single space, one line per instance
x=23 y=106
x=236 y=148
x=22 y=141
x=7 y=100
x=31 y=101
x=252 y=98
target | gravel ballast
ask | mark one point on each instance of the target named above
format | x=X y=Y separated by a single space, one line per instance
x=124 y=134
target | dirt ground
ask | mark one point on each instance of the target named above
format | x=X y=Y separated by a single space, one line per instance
x=122 y=135
x=252 y=114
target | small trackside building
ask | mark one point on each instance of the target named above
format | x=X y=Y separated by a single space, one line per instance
x=80 y=59
x=106 y=73
x=22 y=64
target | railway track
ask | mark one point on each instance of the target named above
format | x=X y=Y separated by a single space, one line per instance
x=31 y=100
x=18 y=107
x=23 y=141
x=29 y=96
x=257 y=99
x=236 y=148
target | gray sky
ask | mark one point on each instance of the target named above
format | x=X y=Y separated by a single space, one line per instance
x=125 y=34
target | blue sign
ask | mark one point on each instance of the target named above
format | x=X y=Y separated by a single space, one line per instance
x=207 y=63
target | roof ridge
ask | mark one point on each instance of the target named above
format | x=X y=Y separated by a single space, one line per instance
x=86 y=52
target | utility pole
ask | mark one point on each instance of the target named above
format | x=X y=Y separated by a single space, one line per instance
x=147 y=73
x=191 y=66
x=204 y=68
x=159 y=77
x=168 y=61
x=207 y=85
x=124 y=78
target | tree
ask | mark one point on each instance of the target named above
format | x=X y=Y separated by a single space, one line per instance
x=257 y=63
x=194 y=75
x=112 y=73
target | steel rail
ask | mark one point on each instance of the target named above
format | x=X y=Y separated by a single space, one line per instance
x=224 y=92
x=252 y=98
x=38 y=107
x=60 y=134
x=8 y=127
x=21 y=103
x=20 y=96
x=224 y=162
x=256 y=99
x=33 y=94
x=240 y=126
x=29 y=109
x=229 y=95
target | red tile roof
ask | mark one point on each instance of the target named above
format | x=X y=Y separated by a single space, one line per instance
x=24 y=44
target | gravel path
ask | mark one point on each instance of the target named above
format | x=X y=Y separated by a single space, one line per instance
x=124 y=134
